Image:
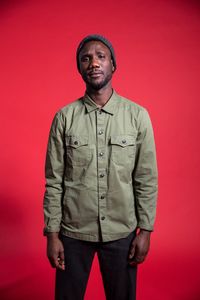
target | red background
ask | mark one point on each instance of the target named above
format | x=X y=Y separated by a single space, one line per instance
x=158 y=46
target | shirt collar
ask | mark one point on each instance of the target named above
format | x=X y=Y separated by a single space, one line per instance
x=109 y=107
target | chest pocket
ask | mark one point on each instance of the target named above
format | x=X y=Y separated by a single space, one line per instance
x=77 y=150
x=123 y=149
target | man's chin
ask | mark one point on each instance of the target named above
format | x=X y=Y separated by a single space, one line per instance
x=96 y=85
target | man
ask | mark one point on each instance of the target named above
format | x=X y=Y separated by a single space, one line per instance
x=101 y=182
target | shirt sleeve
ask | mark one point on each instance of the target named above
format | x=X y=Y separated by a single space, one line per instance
x=54 y=170
x=145 y=175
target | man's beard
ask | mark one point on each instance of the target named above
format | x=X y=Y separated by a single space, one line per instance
x=97 y=85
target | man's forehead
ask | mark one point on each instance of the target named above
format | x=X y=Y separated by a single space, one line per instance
x=94 y=45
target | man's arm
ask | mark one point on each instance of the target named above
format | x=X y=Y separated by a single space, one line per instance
x=145 y=188
x=54 y=171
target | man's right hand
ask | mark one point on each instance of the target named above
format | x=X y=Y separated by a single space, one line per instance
x=55 y=251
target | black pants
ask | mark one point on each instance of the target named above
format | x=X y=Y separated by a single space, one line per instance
x=119 y=278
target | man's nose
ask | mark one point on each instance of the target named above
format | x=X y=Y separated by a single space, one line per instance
x=94 y=63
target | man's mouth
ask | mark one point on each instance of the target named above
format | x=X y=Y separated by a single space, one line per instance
x=95 y=74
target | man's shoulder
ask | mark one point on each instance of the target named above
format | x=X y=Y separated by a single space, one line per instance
x=130 y=104
x=71 y=106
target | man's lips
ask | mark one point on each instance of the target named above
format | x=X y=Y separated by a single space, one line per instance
x=95 y=74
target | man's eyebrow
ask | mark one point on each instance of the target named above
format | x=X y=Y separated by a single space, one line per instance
x=101 y=51
x=89 y=54
x=84 y=53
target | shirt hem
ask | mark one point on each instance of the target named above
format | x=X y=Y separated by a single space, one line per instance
x=95 y=237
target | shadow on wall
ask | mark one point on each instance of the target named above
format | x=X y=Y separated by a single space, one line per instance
x=31 y=287
x=13 y=223
x=18 y=262
x=7 y=4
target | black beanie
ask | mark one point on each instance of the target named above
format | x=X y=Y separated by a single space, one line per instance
x=95 y=37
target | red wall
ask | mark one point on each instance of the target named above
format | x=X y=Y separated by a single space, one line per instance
x=158 y=46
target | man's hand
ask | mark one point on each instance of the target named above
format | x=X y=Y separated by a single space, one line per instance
x=139 y=247
x=55 y=251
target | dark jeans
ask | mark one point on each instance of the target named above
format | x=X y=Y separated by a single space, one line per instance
x=119 y=278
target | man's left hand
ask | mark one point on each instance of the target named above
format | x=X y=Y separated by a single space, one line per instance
x=139 y=247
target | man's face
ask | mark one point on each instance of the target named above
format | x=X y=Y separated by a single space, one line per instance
x=96 y=66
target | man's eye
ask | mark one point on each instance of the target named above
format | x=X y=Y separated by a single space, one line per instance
x=101 y=56
x=85 y=59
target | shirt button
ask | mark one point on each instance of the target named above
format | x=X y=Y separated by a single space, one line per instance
x=101 y=154
x=75 y=142
x=103 y=218
x=102 y=175
x=100 y=112
x=100 y=131
x=102 y=196
x=123 y=141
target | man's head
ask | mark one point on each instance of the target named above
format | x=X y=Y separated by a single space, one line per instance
x=96 y=61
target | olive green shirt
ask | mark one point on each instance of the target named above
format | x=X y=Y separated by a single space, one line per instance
x=101 y=172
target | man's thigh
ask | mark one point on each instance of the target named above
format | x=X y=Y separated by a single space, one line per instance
x=71 y=283
x=119 y=277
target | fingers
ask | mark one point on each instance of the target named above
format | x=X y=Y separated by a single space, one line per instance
x=132 y=250
x=53 y=260
x=61 y=255
x=55 y=253
x=137 y=259
x=58 y=261
x=61 y=263
x=136 y=255
x=139 y=248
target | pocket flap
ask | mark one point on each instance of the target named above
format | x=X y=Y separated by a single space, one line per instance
x=76 y=141
x=123 y=140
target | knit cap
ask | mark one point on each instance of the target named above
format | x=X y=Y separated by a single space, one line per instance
x=95 y=37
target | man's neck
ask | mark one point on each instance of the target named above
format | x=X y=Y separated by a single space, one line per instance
x=101 y=96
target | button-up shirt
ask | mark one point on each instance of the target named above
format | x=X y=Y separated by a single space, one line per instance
x=101 y=172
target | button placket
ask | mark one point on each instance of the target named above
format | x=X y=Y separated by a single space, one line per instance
x=100 y=131
x=101 y=162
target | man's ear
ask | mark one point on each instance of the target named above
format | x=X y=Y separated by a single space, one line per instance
x=113 y=68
